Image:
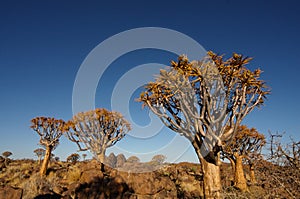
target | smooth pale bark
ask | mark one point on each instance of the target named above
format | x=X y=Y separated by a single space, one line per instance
x=46 y=160
x=239 y=178
x=101 y=158
x=211 y=180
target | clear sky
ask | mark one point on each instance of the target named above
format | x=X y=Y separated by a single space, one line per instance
x=43 y=44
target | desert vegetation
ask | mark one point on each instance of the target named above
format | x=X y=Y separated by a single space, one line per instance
x=205 y=101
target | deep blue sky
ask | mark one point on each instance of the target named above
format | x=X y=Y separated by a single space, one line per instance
x=43 y=43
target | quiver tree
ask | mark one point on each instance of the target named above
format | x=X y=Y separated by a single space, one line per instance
x=84 y=156
x=73 y=158
x=96 y=130
x=39 y=153
x=49 y=130
x=6 y=154
x=205 y=101
x=246 y=146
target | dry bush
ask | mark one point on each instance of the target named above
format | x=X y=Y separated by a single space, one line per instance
x=73 y=175
x=17 y=172
x=278 y=181
x=37 y=185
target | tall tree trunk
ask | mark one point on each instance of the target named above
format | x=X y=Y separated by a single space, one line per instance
x=211 y=180
x=252 y=175
x=232 y=163
x=46 y=160
x=239 y=178
x=101 y=158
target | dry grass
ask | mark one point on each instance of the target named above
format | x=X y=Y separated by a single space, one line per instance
x=73 y=175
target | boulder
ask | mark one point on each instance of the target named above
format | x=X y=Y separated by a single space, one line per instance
x=10 y=192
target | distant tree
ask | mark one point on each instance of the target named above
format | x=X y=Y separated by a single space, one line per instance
x=39 y=153
x=159 y=159
x=96 y=130
x=56 y=159
x=200 y=99
x=52 y=157
x=121 y=159
x=73 y=158
x=246 y=145
x=111 y=160
x=6 y=154
x=84 y=156
x=133 y=159
x=286 y=155
x=49 y=130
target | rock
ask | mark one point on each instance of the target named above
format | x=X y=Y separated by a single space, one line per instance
x=89 y=175
x=149 y=185
x=120 y=160
x=48 y=196
x=71 y=190
x=10 y=192
x=57 y=189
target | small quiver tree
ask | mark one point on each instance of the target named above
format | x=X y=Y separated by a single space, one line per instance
x=84 y=156
x=245 y=146
x=6 y=154
x=96 y=130
x=205 y=101
x=49 y=130
x=39 y=153
x=73 y=158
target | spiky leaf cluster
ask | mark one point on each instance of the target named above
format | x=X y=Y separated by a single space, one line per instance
x=49 y=129
x=97 y=129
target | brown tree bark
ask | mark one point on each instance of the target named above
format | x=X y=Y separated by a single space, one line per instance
x=252 y=175
x=211 y=180
x=239 y=178
x=46 y=160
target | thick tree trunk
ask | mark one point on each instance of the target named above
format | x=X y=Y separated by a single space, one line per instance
x=101 y=158
x=239 y=178
x=252 y=175
x=46 y=160
x=211 y=180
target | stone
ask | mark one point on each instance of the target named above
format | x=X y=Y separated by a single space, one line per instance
x=10 y=192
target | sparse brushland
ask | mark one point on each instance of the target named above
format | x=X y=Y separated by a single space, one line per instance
x=213 y=127
x=84 y=179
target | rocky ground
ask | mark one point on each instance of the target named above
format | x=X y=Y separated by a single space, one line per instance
x=20 y=179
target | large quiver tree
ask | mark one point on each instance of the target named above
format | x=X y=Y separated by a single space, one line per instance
x=245 y=147
x=96 y=130
x=49 y=130
x=205 y=101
